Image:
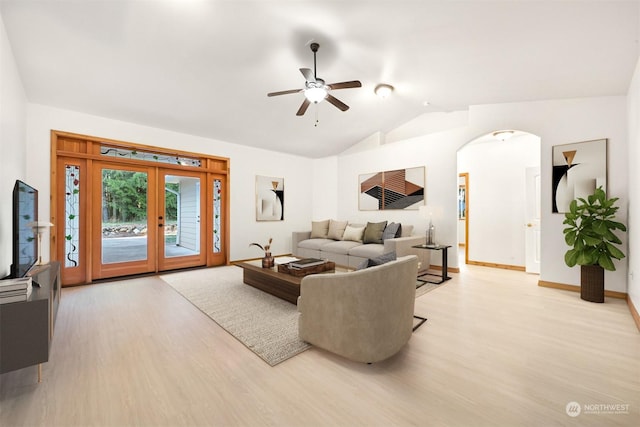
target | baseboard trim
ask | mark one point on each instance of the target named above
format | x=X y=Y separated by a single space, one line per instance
x=634 y=312
x=449 y=269
x=576 y=288
x=493 y=265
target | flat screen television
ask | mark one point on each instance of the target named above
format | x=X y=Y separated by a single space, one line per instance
x=25 y=242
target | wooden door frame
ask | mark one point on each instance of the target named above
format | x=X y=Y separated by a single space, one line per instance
x=465 y=175
x=173 y=263
x=150 y=264
x=86 y=149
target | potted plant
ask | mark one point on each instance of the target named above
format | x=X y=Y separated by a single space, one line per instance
x=267 y=261
x=590 y=233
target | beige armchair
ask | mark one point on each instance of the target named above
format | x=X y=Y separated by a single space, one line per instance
x=365 y=315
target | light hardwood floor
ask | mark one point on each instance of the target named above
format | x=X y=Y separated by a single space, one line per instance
x=497 y=350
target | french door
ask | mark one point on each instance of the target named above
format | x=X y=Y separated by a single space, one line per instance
x=181 y=206
x=121 y=208
x=146 y=219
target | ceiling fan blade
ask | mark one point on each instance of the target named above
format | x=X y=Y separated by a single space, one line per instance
x=303 y=107
x=335 y=101
x=308 y=74
x=345 y=85
x=284 y=92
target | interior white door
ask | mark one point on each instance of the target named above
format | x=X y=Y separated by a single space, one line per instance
x=532 y=224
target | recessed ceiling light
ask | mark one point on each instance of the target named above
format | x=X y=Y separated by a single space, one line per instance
x=383 y=90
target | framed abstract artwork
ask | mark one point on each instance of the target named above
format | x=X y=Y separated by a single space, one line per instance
x=269 y=198
x=578 y=169
x=396 y=189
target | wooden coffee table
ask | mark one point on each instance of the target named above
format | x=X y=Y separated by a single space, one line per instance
x=269 y=280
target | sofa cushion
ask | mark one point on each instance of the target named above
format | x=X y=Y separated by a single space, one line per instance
x=353 y=233
x=406 y=230
x=315 y=244
x=391 y=231
x=373 y=232
x=340 y=247
x=319 y=229
x=336 y=229
x=370 y=250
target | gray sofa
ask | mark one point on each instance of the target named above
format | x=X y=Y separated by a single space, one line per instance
x=364 y=315
x=351 y=253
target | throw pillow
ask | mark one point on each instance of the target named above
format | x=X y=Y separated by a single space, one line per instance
x=382 y=259
x=336 y=229
x=373 y=232
x=353 y=233
x=319 y=229
x=391 y=231
x=364 y=264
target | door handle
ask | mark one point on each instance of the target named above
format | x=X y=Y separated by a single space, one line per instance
x=529 y=225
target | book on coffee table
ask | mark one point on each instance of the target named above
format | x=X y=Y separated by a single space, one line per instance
x=306 y=262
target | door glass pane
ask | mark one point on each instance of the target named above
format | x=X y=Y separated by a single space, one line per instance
x=150 y=156
x=72 y=216
x=181 y=216
x=124 y=216
x=217 y=215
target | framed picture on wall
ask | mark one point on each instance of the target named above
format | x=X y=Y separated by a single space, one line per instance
x=578 y=169
x=396 y=189
x=269 y=198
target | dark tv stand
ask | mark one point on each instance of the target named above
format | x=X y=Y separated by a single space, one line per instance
x=26 y=327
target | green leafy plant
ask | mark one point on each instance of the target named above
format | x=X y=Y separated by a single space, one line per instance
x=590 y=231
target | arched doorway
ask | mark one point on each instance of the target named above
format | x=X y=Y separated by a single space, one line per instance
x=502 y=188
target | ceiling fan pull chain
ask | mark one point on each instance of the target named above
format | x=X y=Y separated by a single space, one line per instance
x=317 y=121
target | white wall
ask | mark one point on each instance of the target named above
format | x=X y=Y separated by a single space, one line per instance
x=325 y=186
x=497 y=183
x=555 y=122
x=13 y=113
x=246 y=163
x=633 y=117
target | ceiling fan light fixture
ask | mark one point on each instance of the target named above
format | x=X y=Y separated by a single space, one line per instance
x=315 y=94
x=502 y=135
x=383 y=90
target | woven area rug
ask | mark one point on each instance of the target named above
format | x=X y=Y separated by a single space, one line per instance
x=266 y=325
x=424 y=287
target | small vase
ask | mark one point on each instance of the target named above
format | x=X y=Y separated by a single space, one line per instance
x=267 y=261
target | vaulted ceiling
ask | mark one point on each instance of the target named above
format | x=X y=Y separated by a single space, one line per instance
x=204 y=67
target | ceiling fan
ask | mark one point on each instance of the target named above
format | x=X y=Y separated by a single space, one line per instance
x=315 y=89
